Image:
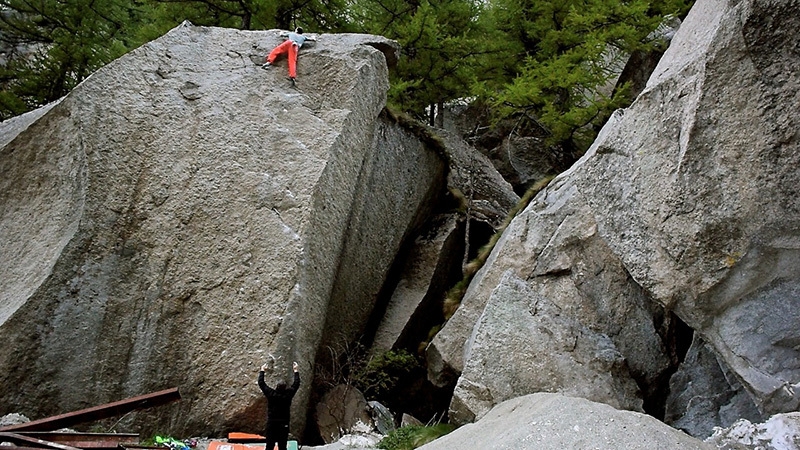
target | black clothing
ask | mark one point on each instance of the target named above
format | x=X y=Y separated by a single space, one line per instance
x=279 y=403
x=277 y=434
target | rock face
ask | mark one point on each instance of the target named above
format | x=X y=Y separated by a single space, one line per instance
x=555 y=422
x=520 y=154
x=688 y=199
x=550 y=255
x=489 y=196
x=415 y=303
x=340 y=411
x=397 y=190
x=705 y=395
x=704 y=210
x=558 y=355
x=183 y=214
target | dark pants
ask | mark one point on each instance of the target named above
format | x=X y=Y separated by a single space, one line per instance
x=277 y=433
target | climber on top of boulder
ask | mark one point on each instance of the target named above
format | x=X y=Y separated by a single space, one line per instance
x=290 y=46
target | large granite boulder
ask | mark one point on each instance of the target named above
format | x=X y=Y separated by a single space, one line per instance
x=556 y=422
x=553 y=249
x=523 y=344
x=696 y=187
x=688 y=198
x=182 y=215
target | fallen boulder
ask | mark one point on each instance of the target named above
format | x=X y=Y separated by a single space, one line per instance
x=687 y=200
x=522 y=344
x=556 y=422
x=551 y=255
x=343 y=410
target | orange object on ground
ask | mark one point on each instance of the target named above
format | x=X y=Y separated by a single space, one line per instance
x=241 y=438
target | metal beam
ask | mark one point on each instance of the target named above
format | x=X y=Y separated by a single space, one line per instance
x=21 y=447
x=98 y=412
x=26 y=441
x=96 y=441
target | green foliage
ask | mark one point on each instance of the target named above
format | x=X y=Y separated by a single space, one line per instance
x=562 y=56
x=413 y=436
x=382 y=373
x=64 y=42
x=376 y=376
x=316 y=15
x=452 y=299
x=169 y=442
x=440 y=40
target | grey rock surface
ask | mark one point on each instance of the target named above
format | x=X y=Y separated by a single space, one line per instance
x=394 y=193
x=692 y=193
x=381 y=417
x=489 y=196
x=556 y=422
x=554 y=249
x=423 y=281
x=342 y=411
x=523 y=343
x=695 y=187
x=183 y=214
x=705 y=395
x=13 y=419
x=521 y=155
x=351 y=441
x=407 y=420
x=779 y=432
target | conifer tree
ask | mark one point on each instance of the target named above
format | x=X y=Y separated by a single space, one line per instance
x=440 y=40
x=317 y=15
x=54 y=44
x=562 y=56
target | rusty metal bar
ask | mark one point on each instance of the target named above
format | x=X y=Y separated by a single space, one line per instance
x=22 y=447
x=26 y=441
x=98 y=412
x=96 y=441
